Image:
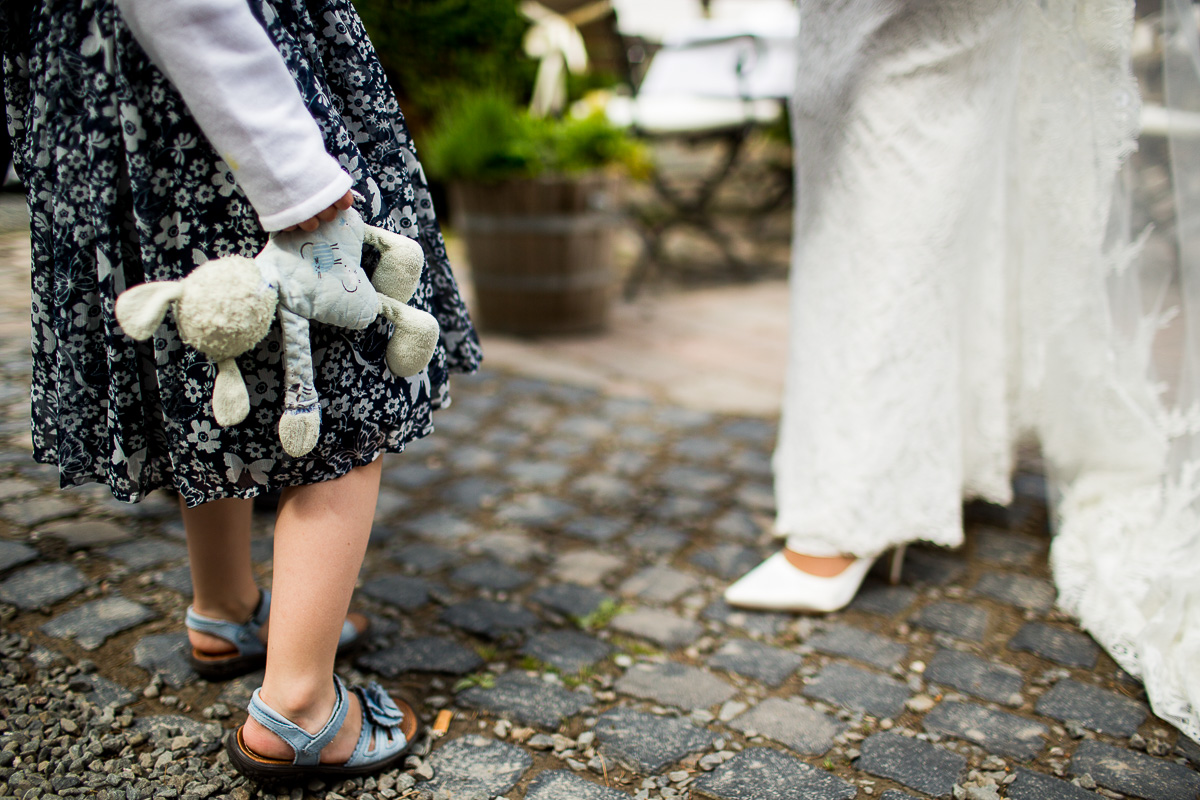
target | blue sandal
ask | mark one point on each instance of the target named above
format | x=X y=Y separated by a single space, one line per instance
x=249 y=651
x=388 y=730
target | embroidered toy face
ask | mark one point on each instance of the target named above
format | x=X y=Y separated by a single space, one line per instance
x=326 y=257
x=316 y=281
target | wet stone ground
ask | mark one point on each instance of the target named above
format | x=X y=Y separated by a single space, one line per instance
x=549 y=567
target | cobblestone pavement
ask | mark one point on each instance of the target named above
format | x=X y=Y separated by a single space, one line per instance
x=548 y=566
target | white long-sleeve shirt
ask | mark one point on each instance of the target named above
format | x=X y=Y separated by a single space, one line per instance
x=239 y=90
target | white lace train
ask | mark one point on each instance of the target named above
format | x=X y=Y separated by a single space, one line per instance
x=962 y=278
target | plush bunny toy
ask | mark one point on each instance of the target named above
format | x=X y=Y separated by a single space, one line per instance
x=224 y=307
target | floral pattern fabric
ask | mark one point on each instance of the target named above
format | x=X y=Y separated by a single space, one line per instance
x=124 y=188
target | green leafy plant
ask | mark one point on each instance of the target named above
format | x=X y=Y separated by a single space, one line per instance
x=484 y=136
x=484 y=680
x=635 y=647
x=488 y=652
x=432 y=50
x=601 y=616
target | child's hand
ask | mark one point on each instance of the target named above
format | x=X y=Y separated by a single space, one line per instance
x=310 y=224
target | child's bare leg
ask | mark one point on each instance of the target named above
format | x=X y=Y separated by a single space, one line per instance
x=218 y=538
x=321 y=536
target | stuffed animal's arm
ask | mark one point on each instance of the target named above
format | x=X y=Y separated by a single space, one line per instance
x=400 y=263
x=414 y=339
x=396 y=279
x=300 y=424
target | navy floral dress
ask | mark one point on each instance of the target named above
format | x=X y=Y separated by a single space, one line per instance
x=124 y=188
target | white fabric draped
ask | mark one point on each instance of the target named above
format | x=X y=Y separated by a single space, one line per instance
x=965 y=275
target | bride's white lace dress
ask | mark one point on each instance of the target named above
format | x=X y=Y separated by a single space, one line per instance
x=964 y=277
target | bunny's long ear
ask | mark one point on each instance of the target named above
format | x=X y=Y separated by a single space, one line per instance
x=140 y=310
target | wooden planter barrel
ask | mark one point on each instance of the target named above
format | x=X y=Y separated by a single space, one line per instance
x=541 y=252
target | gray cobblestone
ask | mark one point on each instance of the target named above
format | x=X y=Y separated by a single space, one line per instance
x=570 y=599
x=660 y=627
x=422 y=654
x=758 y=772
x=424 y=558
x=14 y=554
x=684 y=510
x=1134 y=773
x=727 y=561
x=560 y=785
x=604 y=490
x=694 y=480
x=528 y=700
x=489 y=618
x=737 y=525
x=144 y=553
x=762 y=622
x=851 y=642
x=1021 y=591
x=957 y=619
x=12 y=488
x=996 y=731
x=648 y=743
x=37 y=510
x=442 y=526
x=178 y=579
x=494 y=575
x=923 y=566
x=887 y=601
x=540 y=474
x=1006 y=547
x=511 y=547
x=80 y=534
x=792 y=723
x=1094 y=708
x=659 y=584
x=42 y=585
x=165 y=654
x=657 y=539
x=852 y=687
x=475 y=768
x=586 y=567
x=675 y=685
x=105 y=693
x=535 y=510
x=92 y=623
x=1031 y=785
x=474 y=492
x=993 y=681
x=401 y=591
x=764 y=663
x=1071 y=648
x=916 y=764
x=569 y=651
x=595 y=529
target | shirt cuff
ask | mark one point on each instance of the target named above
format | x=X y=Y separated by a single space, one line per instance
x=311 y=206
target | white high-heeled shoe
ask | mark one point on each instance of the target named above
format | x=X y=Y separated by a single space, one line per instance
x=776 y=585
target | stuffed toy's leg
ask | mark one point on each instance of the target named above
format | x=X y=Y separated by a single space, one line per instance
x=231 y=401
x=300 y=424
x=396 y=277
x=414 y=339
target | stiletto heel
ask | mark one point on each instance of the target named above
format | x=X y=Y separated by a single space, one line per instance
x=777 y=585
x=897 y=564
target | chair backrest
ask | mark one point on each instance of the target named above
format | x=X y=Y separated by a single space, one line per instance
x=654 y=20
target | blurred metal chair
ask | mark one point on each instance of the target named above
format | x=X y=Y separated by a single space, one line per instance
x=716 y=75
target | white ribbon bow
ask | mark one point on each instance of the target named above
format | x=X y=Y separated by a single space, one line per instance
x=556 y=41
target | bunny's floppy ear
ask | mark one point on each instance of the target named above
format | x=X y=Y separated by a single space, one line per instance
x=140 y=310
